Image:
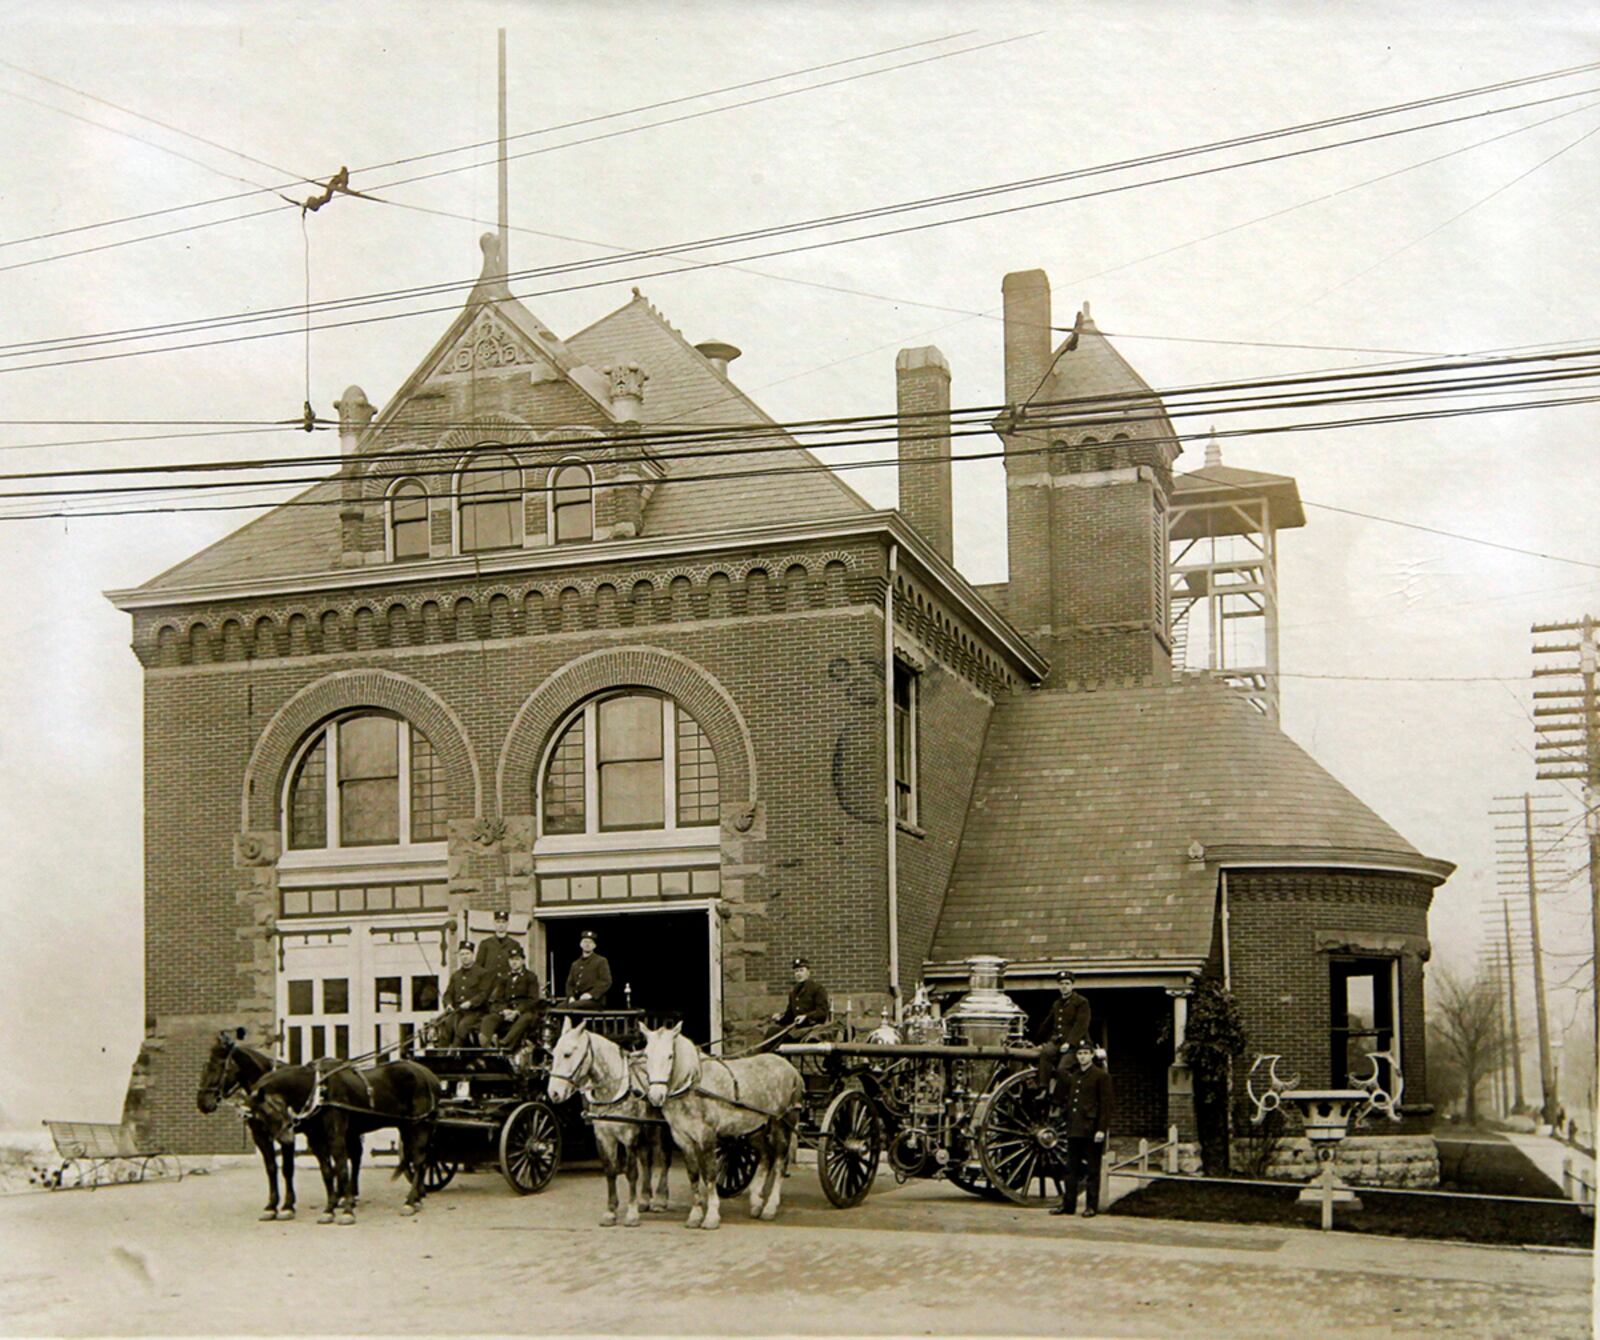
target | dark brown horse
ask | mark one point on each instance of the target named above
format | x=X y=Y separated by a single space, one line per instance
x=335 y=1105
x=234 y=1068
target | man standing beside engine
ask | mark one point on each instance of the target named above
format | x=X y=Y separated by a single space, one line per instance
x=1085 y=1093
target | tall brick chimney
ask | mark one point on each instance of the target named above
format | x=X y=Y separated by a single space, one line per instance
x=1086 y=498
x=922 y=400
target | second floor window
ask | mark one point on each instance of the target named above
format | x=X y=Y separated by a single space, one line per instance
x=571 y=504
x=408 y=522
x=490 y=504
x=365 y=780
x=629 y=761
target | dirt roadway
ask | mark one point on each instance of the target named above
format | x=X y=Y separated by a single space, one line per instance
x=173 y=1259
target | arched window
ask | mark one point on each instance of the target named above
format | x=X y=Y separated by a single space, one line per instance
x=408 y=521
x=571 y=503
x=368 y=779
x=628 y=761
x=490 y=507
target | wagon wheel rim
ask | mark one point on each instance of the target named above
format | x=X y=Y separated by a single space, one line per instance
x=850 y=1149
x=530 y=1148
x=438 y=1173
x=738 y=1161
x=1017 y=1143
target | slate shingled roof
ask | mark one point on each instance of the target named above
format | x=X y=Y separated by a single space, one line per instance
x=1086 y=805
x=684 y=389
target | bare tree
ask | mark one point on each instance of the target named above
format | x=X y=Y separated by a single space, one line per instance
x=1464 y=1019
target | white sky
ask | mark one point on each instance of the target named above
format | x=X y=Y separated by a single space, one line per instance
x=1457 y=256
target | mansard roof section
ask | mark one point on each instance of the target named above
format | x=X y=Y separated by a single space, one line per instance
x=710 y=489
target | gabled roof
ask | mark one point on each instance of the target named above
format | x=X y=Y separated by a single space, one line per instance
x=1078 y=835
x=685 y=390
x=303 y=536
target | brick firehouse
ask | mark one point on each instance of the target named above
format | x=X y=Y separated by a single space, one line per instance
x=527 y=651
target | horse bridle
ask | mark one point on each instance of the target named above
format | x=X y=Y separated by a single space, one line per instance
x=223 y=1087
x=667 y=1082
x=588 y=1059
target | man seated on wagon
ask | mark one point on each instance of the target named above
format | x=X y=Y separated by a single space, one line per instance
x=589 y=978
x=494 y=954
x=515 y=1006
x=807 y=1007
x=1062 y=1030
x=465 y=998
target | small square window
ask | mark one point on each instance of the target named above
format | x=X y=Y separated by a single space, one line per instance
x=336 y=995
x=300 y=996
x=296 y=902
x=425 y=993
x=647 y=885
x=324 y=900
x=585 y=887
x=386 y=995
x=407 y=896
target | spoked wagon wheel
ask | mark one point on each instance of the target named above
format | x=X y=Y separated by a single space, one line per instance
x=849 y=1149
x=970 y=1178
x=438 y=1173
x=1021 y=1148
x=736 y=1164
x=530 y=1147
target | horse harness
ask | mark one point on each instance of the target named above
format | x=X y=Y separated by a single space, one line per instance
x=319 y=1098
x=691 y=1085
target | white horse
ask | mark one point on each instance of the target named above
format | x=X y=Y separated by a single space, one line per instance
x=596 y=1067
x=704 y=1098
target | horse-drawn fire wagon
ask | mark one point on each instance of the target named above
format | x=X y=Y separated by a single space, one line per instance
x=495 y=1109
x=954 y=1097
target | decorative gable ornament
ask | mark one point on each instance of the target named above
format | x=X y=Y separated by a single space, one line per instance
x=490 y=344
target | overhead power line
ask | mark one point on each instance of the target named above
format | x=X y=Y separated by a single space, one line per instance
x=812 y=466
x=230 y=320
x=294 y=180
x=1125 y=408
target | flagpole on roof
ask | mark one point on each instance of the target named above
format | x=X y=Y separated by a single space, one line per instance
x=505 y=224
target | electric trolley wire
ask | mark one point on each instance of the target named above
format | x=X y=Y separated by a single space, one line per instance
x=814 y=466
x=629 y=130
x=1126 y=408
x=1108 y=410
x=356 y=302
x=481 y=144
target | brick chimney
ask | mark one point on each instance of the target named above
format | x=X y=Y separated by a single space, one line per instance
x=1085 y=501
x=922 y=400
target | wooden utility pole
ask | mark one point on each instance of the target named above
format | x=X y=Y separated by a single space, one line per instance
x=1511 y=995
x=1567 y=743
x=1547 y=1074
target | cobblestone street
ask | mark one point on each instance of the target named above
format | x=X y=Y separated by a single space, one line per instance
x=190 y=1258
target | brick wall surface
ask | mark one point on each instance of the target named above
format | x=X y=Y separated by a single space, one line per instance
x=781 y=659
x=1281 y=977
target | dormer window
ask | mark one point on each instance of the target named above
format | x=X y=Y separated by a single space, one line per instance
x=490 y=503
x=571 y=503
x=408 y=521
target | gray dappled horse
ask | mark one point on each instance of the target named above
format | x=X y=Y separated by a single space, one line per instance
x=596 y=1067
x=234 y=1068
x=705 y=1098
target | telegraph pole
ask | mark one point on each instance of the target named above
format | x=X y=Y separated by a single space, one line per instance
x=1519 y=872
x=1567 y=742
x=1511 y=995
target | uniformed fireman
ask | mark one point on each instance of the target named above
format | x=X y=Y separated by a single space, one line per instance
x=1063 y=1029
x=465 y=998
x=1084 y=1090
x=808 y=1001
x=515 y=1006
x=589 y=977
x=495 y=952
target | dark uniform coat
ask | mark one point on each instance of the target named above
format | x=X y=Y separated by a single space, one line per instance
x=495 y=954
x=1085 y=1098
x=1067 y=1024
x=808 y=1004
x=517 y=991
x=591 y=976
x=469 y=988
